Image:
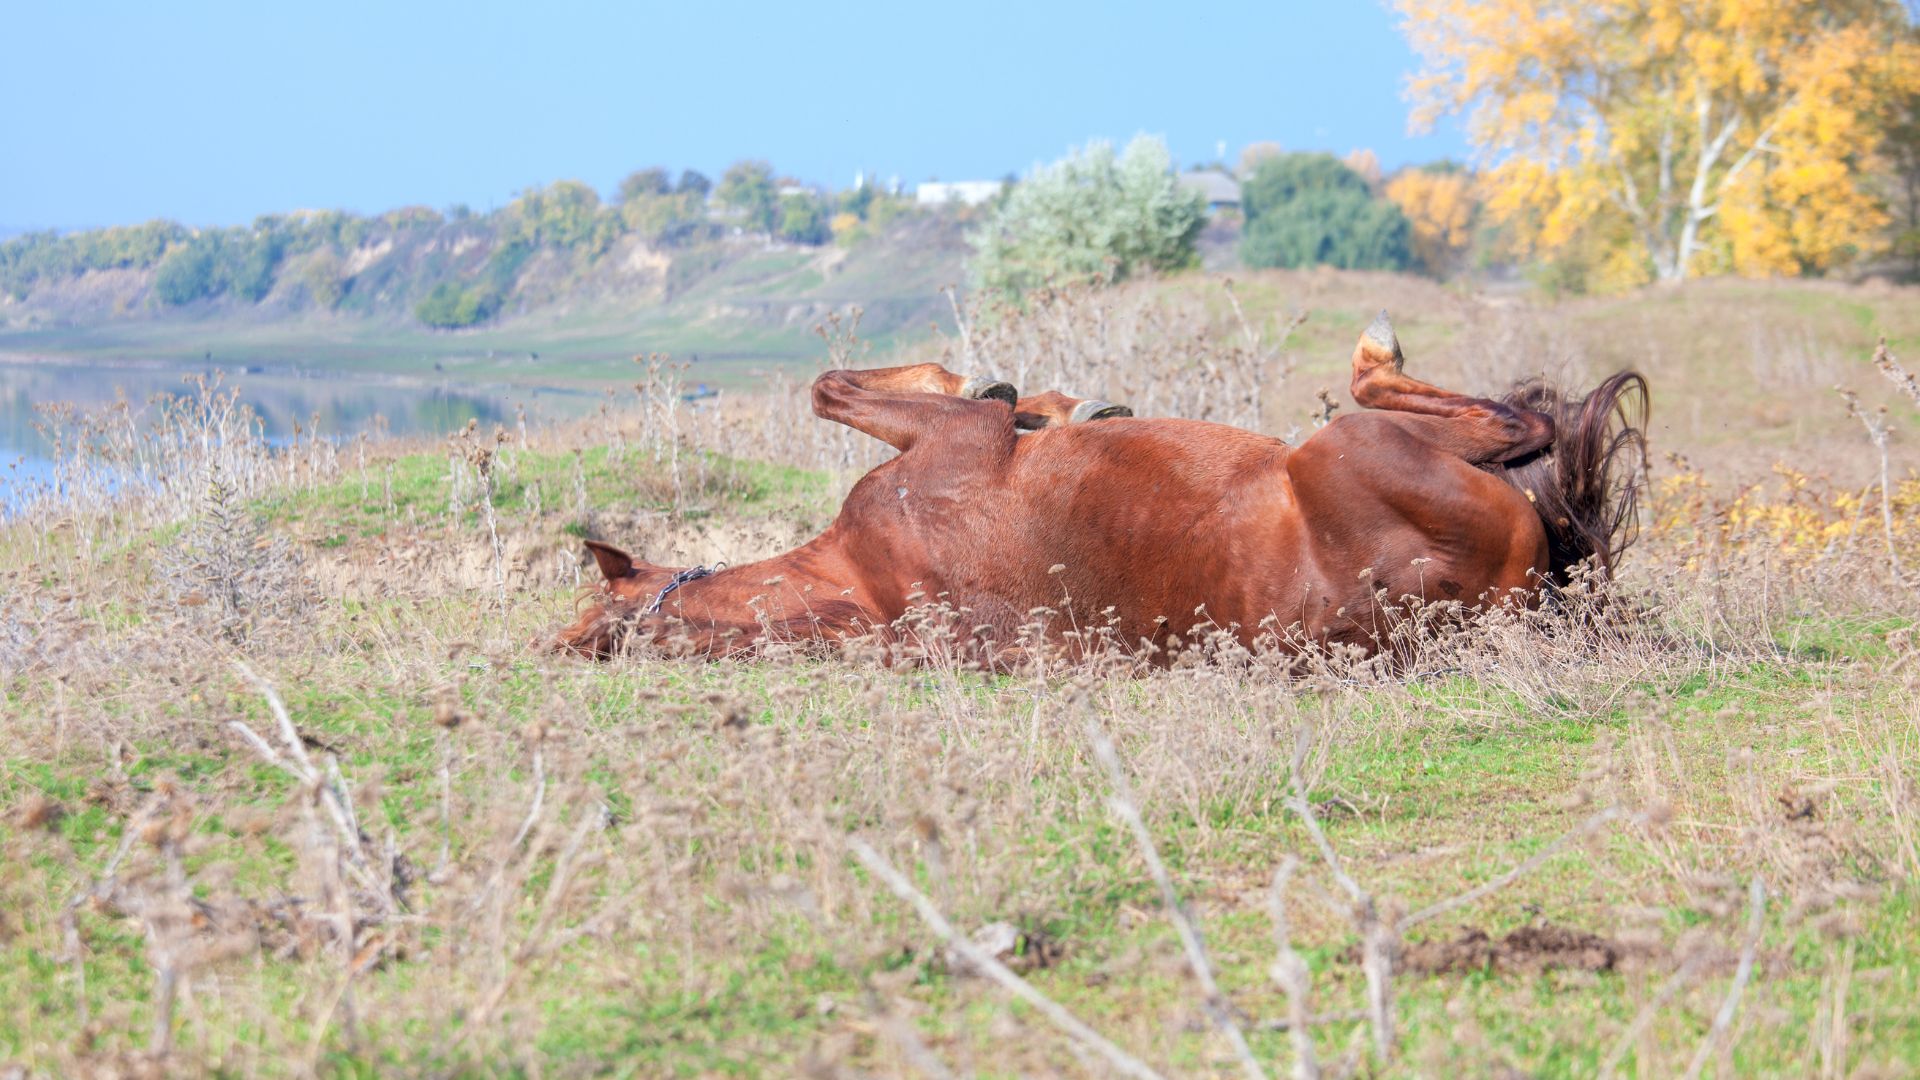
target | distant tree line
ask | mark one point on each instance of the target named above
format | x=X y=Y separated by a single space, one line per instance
x=785 y=209
x=244 y=263
x=38 y=256
x=191 y=264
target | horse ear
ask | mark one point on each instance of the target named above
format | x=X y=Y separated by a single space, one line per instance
x=614 y=563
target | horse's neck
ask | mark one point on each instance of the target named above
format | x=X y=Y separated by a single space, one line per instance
x=795 y=596
x=813 y=571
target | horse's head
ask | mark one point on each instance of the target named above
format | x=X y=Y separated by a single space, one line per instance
x=629 y=589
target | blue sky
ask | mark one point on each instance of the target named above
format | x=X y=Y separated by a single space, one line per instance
x=213 y=113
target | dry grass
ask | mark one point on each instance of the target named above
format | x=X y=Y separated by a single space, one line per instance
x=373 y=834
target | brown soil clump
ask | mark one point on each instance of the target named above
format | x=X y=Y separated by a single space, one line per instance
x=1528 y=950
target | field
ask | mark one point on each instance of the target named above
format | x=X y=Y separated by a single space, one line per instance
x=287 y=792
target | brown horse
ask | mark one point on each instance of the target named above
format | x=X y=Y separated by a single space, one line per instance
x=1153 y=527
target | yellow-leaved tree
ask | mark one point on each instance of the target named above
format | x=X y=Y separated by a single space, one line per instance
x=1440 y=204
x=1674 y=137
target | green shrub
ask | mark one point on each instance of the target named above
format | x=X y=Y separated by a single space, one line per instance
x=503 y=266
x=323 y=279
x=450 y=306
x=803 y=220
x=1281 y=178
x=565 y=214
x=664 y=218
x=186 y=274
x=1312 y=210
x=644 y=182
x=693 y=183
x=1349 y=230
x=748 y=188
x=1091 y=214
x=253 y=264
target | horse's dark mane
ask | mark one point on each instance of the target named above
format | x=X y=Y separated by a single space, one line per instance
x=1586 y=483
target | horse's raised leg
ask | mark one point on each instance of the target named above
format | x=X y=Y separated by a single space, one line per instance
x=900 y=405
x=1055 y=409
x=1486 y=431
x=930 y=379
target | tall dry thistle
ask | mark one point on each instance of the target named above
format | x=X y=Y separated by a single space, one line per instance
x=1879 y=432
x=227 y=573
x=482 y=456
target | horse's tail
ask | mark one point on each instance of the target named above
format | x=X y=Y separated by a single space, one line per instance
x=1586 y=483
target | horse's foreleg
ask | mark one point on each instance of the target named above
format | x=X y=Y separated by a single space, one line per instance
x=1486 y=430
x=1055 y=409
x=928 y=379
x=896 y=406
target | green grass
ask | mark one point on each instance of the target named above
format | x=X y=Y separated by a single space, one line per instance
x=1853 y=638
x=1485 y=798
x=357 y=507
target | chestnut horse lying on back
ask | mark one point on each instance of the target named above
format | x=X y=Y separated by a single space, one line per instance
x=1156 y=526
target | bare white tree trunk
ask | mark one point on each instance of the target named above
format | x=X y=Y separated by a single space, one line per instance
x=1698 y=210
x=1670 y=225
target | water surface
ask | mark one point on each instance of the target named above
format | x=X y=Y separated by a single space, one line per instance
x=345 y=405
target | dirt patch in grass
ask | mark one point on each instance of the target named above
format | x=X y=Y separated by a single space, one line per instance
x=1528 y=950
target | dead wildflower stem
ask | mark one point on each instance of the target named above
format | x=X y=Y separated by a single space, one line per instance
x=162 y=955
x=297 y=764
x=1591 y=825
x=1723 y=1018
x=1681 y=977
x=534 y=945
x=985 y=962
x=446 y=805
x=1834 y=1039
x=1875 y=423
x=1240 y=315
x=1213 y=1002
x=911 y=1045
x=1900 y=377
x=323 y=1021
x=1291 y=974
x=1378 y=937
x=539 y=793
x=960 y=321
x=101 y=886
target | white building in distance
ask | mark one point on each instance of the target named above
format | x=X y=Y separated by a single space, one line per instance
x=965 y=192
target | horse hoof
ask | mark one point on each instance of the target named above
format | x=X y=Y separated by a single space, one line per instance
x=1380 y=333
x=1096 y=410
x=983 y=389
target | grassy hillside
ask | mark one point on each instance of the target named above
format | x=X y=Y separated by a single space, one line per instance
x=732 y=302
x=656 y=867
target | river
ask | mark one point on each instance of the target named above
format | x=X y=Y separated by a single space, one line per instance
x=346 y=404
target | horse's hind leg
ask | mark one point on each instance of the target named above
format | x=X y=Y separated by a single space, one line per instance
x=899 y=406
x=1485 y=431
x=1055 y=409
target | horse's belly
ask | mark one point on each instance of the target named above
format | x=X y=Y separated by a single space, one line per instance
x=1197 y=530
